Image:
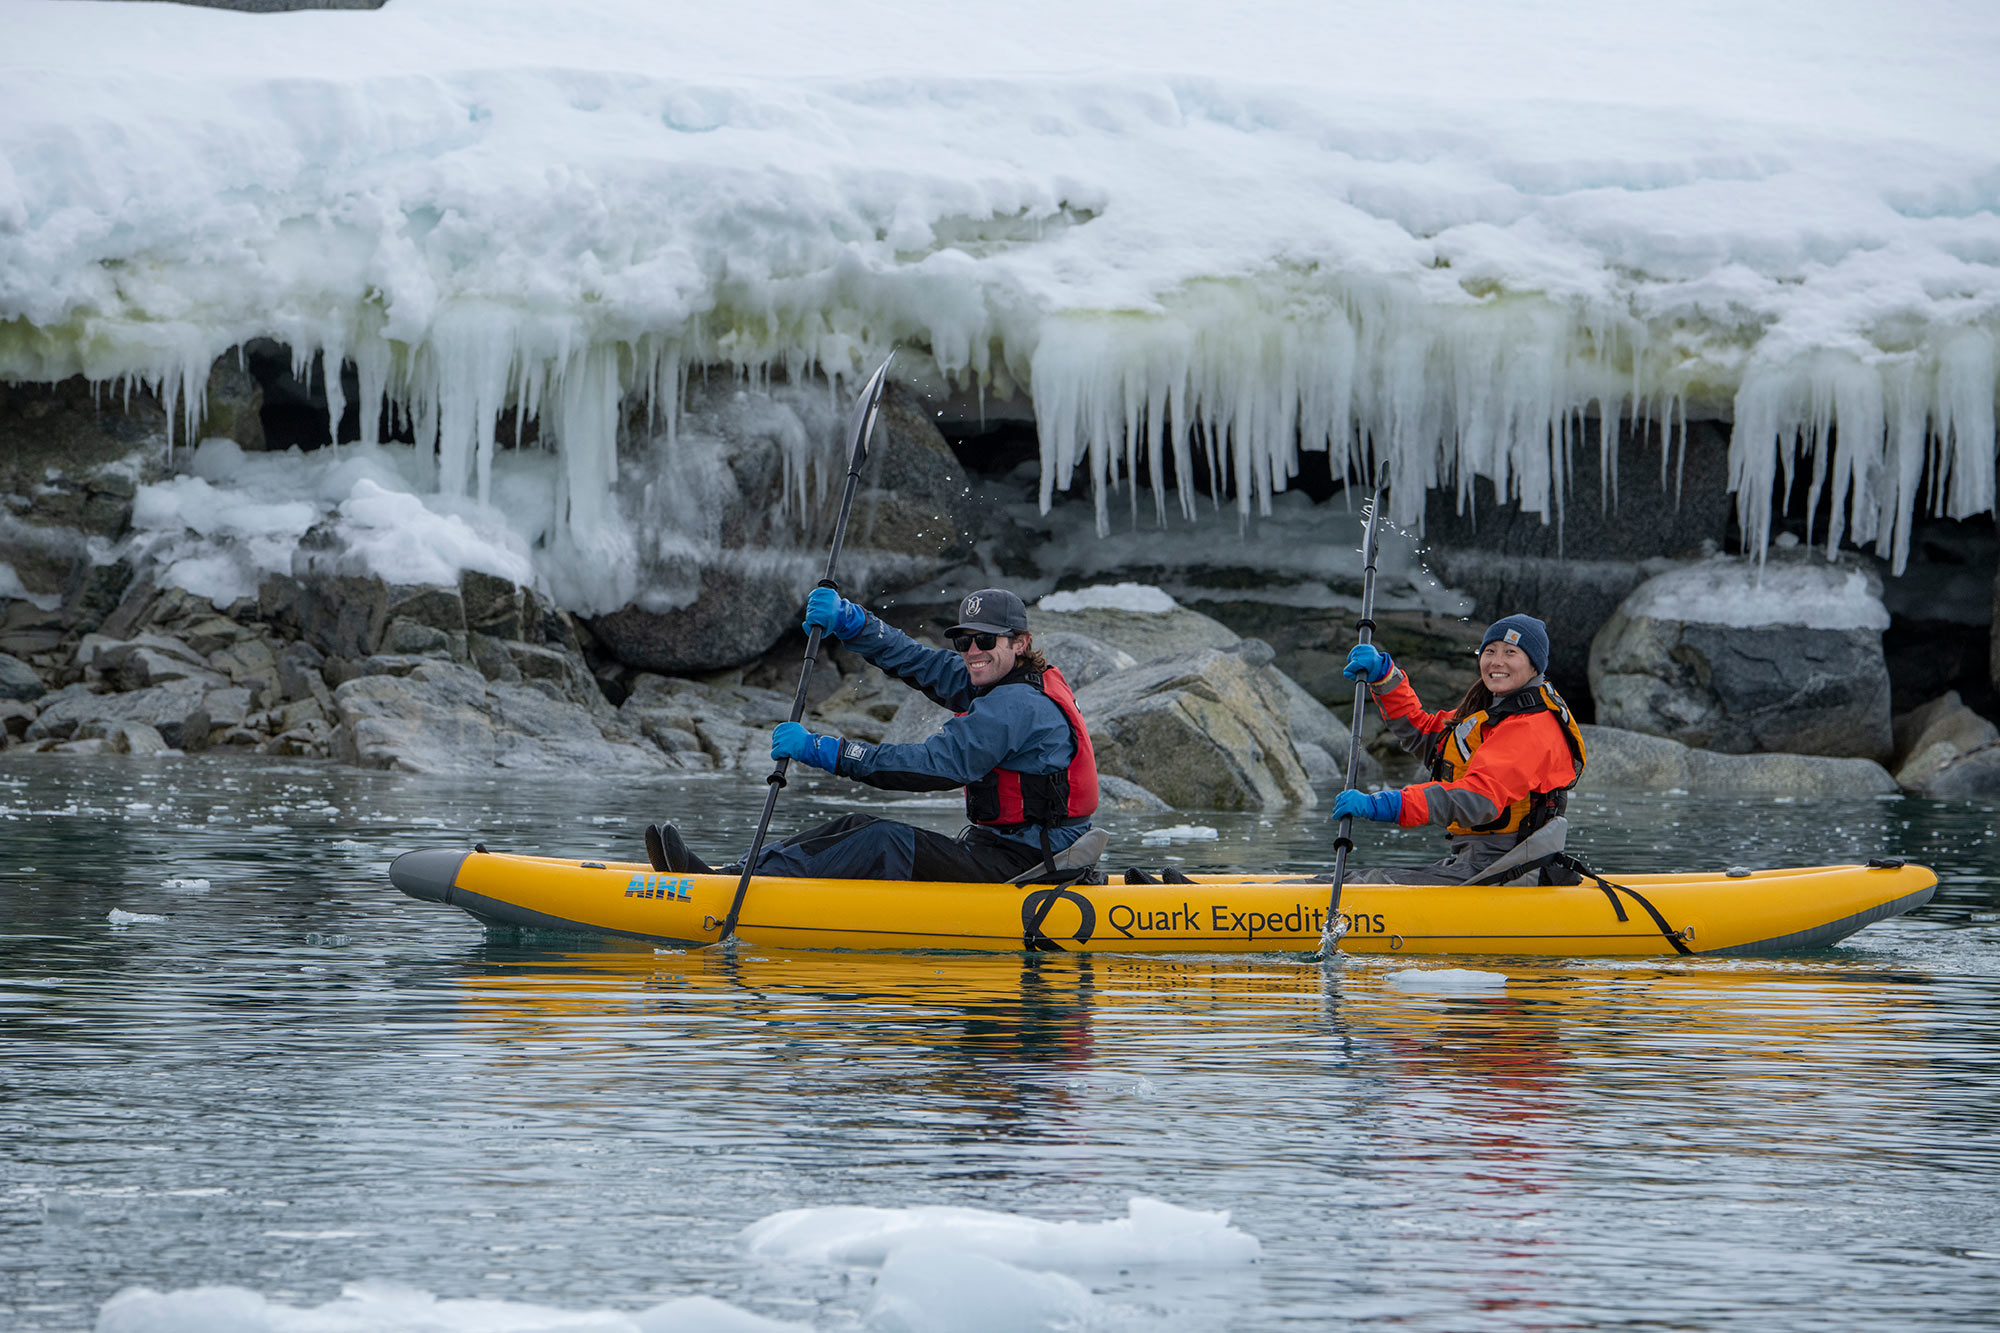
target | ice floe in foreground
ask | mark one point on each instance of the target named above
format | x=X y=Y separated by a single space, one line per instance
x=1152 y=1232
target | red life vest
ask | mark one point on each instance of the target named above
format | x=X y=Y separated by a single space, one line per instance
x=1005 y=797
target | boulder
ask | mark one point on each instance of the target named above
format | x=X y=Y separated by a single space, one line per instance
x=18 y=680
x=744 y=603
x=1620 y=760
x=177 y=710
x=441 y=717
x=536 y=727
x=1146 y=636
x=1080 y=658
x=1125 y=797
x=1198 y=731
x=738 y=507
x=1321 y=739
x=340 y=615
x=15 y=715
x=1944 y=749
x=1720 y=655
x=73 y=429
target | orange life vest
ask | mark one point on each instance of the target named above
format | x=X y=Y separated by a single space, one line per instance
x=1456 y=747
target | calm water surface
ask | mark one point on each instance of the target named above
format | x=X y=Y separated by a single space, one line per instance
x=300 y=1078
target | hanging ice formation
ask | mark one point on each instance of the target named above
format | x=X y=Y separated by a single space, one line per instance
x=1521 y=391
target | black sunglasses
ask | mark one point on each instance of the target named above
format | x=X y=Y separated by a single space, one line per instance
x=961 y=642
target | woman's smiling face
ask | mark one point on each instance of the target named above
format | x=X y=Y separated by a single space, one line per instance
x=1504 y=668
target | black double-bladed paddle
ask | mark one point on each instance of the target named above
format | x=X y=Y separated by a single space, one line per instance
x=860 y=425
x=1336 y=924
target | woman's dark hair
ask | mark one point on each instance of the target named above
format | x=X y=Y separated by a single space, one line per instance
x=1477 y=699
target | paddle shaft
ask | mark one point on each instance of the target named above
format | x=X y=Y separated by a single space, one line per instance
x=861 y=425
x=1344 y=841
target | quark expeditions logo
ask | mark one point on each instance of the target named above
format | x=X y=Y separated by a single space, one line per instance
x=1192 y=922
x=659 y=886
x=1189 y=921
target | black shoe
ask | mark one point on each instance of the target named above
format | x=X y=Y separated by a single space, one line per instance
x=1134 y=875
x=676 y=854
x=656 y=850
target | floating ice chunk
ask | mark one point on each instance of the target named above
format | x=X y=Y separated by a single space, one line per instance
x=1180 y=833
x=388 y=1308
x=1110 y=597
x=185 y=885
x=705 y=1314
x=1443 y=980
x=924 y=1287
x=1153 y=1232
x=118 y=916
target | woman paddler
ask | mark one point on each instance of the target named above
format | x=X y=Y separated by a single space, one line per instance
x=1501 y=764
x=1017 y=745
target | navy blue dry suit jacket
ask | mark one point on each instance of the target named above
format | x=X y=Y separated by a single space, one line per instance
x=1010 y=725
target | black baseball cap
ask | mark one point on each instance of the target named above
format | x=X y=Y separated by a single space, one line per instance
x=991 y=611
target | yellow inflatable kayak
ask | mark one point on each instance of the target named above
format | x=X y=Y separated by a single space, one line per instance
x=1741 y=913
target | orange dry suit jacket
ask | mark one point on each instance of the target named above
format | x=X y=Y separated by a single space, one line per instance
x=1506 y=761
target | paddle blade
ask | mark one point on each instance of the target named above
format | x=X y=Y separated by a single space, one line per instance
x=861 y=421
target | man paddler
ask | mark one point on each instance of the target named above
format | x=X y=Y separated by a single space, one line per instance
x=1017 y=745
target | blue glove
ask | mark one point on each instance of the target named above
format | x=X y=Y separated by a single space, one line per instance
x=789 y=740
x=1367 y=662
x=834 y=614
x=1383 y=806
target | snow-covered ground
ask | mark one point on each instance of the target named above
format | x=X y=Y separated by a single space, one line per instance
x=1455 y=230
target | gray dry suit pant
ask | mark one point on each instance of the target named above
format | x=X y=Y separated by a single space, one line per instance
x=1477 y=859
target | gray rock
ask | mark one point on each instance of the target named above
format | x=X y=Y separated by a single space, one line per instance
x=15 y=715
x=914 y=498
x=1146 y=635
x=1316 y=728
x=299 y=675
x=744 y=604
x=1123 y=796
x=341 y=615
x=1080 y=658
x=490 y=605
x=1975 y=774
x=1942 y=750
x=1198 y=732
x=73 y=429
x=1620 y=760
x=725 y=561
x=18 y=680
x=439 y=607
x=177 y=710
x=251 y=663
x=534 y=731
x=409 y=638
x=227 y=707
x=1775 y=687
x=917 y=719
x=135 y=666
x=139 y=739
x=50 y=557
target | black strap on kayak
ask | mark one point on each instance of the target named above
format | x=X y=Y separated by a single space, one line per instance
x=1677 y=938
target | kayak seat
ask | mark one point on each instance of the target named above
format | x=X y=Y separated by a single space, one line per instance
x=1072 y=862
